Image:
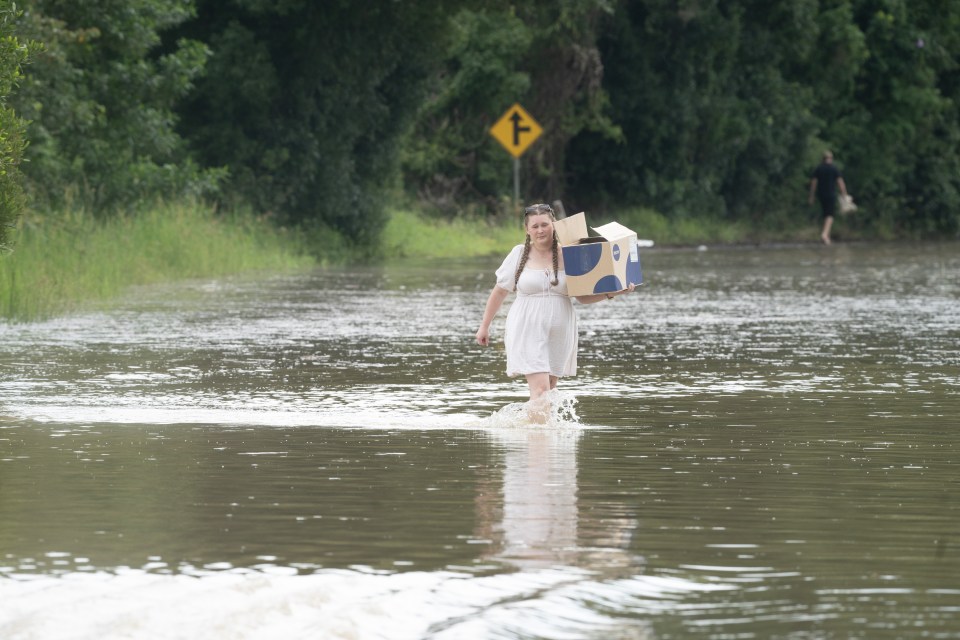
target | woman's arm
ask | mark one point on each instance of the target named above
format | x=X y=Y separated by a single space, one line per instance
x=494 y=302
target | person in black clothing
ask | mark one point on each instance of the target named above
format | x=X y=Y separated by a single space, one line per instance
x=823 y=184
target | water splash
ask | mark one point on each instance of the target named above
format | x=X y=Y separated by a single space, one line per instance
x=557 y=407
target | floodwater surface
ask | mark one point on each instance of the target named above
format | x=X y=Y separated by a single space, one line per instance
x=760 y=443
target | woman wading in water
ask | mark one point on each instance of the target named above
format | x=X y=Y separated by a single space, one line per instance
x=541 y=331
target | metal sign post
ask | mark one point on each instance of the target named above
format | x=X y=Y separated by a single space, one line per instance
x=516 y=182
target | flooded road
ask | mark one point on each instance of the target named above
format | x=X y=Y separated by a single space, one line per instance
x=761 y=443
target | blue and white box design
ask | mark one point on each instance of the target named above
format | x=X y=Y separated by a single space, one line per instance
x=604 y=264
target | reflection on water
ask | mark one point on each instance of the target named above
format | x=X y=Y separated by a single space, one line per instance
x=760 y=444
x=534 y=520
x=539 y=523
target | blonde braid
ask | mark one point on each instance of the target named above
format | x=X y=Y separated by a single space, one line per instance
x=556 y=259
x=523 y=261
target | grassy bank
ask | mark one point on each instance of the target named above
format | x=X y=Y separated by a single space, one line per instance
x=66 y=260
x=409 y=235
x=69 y=260
x=802 y=226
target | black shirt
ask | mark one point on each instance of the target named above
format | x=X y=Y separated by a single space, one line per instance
x=826 y=175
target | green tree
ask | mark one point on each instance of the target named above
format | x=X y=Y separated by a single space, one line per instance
x=13 y=55
x=101 y=101
x=900 y=128
x=306 y=102
x=715 y=119
x=449 y=159
x=541 y=54
x=726 y=106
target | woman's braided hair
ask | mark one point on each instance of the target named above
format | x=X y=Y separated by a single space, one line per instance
x=533 y=210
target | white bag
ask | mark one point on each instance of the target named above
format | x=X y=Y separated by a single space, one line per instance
x=847 y=205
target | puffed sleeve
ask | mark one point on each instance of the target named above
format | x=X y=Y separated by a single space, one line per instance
x=508 y=270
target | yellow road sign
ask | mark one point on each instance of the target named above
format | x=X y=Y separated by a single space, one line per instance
x=516 y=130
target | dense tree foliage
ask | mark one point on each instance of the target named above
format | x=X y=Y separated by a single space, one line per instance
x=101 y=98
x=726 y=106
x=714 y=118
x=709 y=107
x=543 y=55
x=901 y=123
x=13 y=54
x=318 y=111
x=306 y=102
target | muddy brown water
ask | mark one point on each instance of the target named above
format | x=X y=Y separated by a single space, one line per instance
x=765 y=446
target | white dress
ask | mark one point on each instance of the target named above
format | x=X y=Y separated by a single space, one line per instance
x=541 y=331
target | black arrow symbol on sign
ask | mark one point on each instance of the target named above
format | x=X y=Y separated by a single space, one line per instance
x=517 y=129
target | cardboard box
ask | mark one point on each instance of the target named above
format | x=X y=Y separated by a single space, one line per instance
x=604 y=264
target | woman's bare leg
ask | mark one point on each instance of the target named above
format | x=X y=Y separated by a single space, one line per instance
x=538 y=409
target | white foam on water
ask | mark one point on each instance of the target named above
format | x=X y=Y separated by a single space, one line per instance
x=388 y=411
x=335 y=604
x=562 y=414
x=347 y=417
x=332 y=604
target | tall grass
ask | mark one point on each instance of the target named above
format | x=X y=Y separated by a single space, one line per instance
x=663 y=230
x=409 y=235
x=65 y=260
